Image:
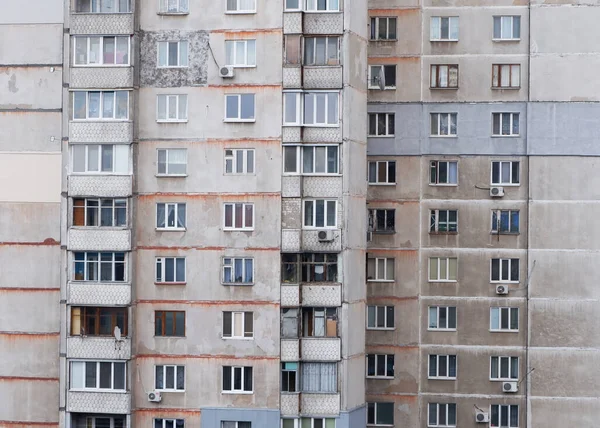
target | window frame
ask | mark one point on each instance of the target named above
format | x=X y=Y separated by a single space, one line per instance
x=390 y=166
x=450 y=360
x=232 y=44
x=513 y=117
x=328 y=62
x=315 y=318
x=497 y=225
x=284 y=373
x=437 y=117
x=97 y=388
x=510 y=263
x=299 y=150
x=510 y=361
x=438 y=310
x=375 y=27
x=93 y=421
x=238 y=118
x=438 y=75
x=99 y=262
x=239 y=11
x=315 y=106
x=390 y=119
x=511 y=77
x=437 y=414
x=247 y=424
x=383 y=68
x=83 y=314
x=100 y=118
x=117 y=160
x=374 y=406
x=306 y=264
x=243 y=371
x=508 y=310
x=231 y=266
x=244 y=207
x=163 y=8
x=167 y=97
x=386 y=319
x=314 y=201
x=182 y=61
x=101 y=51
x=327 y=373
x=512 y=37
x=439 y=25
x=177 y=208
x=116 y=4
x=162 y=261
x=500 y=181
x=163 y=322
x=439 y=278
x=434 y=222
x=376 y=361
x=327 y=9
x=232 y=160
x=509 y=412
x=167 y=163
x=436 y=167
x=247 y=334
x=386 y=262
x=164 y=368
x=175 y=423
x=115 y=209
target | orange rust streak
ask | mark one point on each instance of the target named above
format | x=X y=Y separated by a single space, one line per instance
x=397 y=299
x=392 y=12
x=163 y=410
x=225 y=196
x=392 y=201
x=8 y=424
x=380 y=348
x=28 y=289
x=392 y=59
x=399 y=251
x=246 y=33
x=21 y=333
x=46 y=242
x=206 y=357
x=245 y=85
x=159 y=248
x=399 y=395
x=33 y=379
x=207 y=302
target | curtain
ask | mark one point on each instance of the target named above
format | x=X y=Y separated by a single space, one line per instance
x=319 y=377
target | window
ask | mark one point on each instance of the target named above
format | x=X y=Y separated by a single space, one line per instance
x=322 y=50
x=293 y=5
x=504 y=319
x=382 y=172
x=173 y=53
x=99 y=267
x=382 y=76
x=380 y=365
x=319 y=377
x=170 y=269
x=441 y=415
x=239 y=216
x=100 y=421
x=239 y=108
x=173 y=6
x=380 y=414
x=169 y=323
x=289 y=323
x=382 y=124
x=238 y=325
x=505 y=173
x=240 y=53
x=100 y=212
x=168 y=423
x=100 y=158
x=443 y=173
x=237 y=270
x=380 y=269
x=383 y=28
x=291 y=108
x=318 y=267
x=444 y=29
x=507 y=27
x=443 y=124
x=98 y=375
x=237 y=379
x=98 y=321
x=172 y=161
x=100 y=105
x=289 y=377
x=505 y=221
x=504 y=270
x=169 y=378
x=320 y=213
x=442 y=366
x=292 y=49
x=321 y=108
x=444 y=76
x=308 y=423
x=171 y=108
x=307 y=159
x=235 y=424
x=241 y=6
x=170 y=215
x=442 y=269
x=101 y=50
x=380 y=317
x=443 y=221
x=239 y=161
x=319 y=322
x=322 y=5
x=506 y=76
x=505 y=124
x=504 y=415
x=442 y=318
x=504 y=368
x=102 y=6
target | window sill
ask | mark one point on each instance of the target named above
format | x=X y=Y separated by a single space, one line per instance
x=382 y=280
x=170 y=283
x=322 y=11
x=107 y=228
x=377 y=88
x=441 y=378
x=238 y=284
x=171 y=390
x=170 y=229
x=170 y=337
x=382 y=184
x=98 y=336
x=503 y=331
x=505 y=40
x=171 y=175
x=505 y=233
x=381 y=328
x=240 y=66
x=172 y=66
x=239 y=120
x=238 y=338
x=239 y=174
x=237 y=392
x=443 y=281
x=383 y=40
x=313 y=228
x=439 y=88
x=381 y=136
x=82 y=281
x=312 y=125
x=505 y=184
x=443 y=233
x=380 y=377
x=443 y=40
x=441 y=329
x=444 y=136
x=173 y=13
x=504 y=380
x=505 y=136
x=321 y=66
x=227 y=229
x=383 y=232
x=503 y=282
x=112 y=391
x=101 y=65
x=97 y=119
x=319 y=337
x=172 y=121
x=240 y=12
x=102 y=13
x=443 y=185
x=510 y=88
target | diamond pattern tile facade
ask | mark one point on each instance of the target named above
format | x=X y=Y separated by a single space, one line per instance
x=310 y=241
x=99 y=294
x=292 y=23
x=290 y=295
x=292 y=77
x=290 y=240
x=99 y=239
x=105 y=348
x=320 y=349
x=101 y=77
x=290 y=404
x=101 y=132
x=324 y=23
x=291 y=186
x=328 y=187
x=102 y=186
x=321 y=295
x=320 y=404
x=99 y=402
x=322 y=78
x=322 y=135
x=291 y=134
x=291 y=213
x=102 y=23
x=290 y=350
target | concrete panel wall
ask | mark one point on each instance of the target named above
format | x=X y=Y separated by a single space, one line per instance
x=20 y=266
x=38 y=311
x=21 y=355
x=44 y=186
x=28 y=222
x=31 y=88
x=36 y=12
x=30 y=131
x=29 y=401
x=31 y=44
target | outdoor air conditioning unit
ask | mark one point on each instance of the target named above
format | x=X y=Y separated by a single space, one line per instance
x=154 y=397
x=497 y=192
x=501 y=289
x=510 y=386
x=325 y=235
x=226 y=72
x=481 y=417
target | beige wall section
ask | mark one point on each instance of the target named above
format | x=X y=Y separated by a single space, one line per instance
x=31 y=44
x=560 y=413
x=38 y=176
x=36 y=12
x=31 y=88
x=30 y=131
x=21 y=354
x=27 y=222
x=38 y=311
x=25 y=273
x=33 y=400
x=566 y=178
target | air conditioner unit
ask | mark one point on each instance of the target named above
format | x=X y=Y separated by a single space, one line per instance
x=154 y=397
x=325 y=235
x=226 y=72
x=501 y=289
x=481 y=417
x=510 y=386
x=496 y=192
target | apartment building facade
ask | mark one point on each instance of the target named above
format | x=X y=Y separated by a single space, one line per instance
x=478 y=142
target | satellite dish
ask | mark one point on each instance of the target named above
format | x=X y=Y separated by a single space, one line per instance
x=117 y=333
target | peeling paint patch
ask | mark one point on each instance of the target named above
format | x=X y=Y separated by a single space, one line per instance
x=12 y=84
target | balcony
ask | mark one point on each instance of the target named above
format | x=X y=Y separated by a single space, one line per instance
x=101 y=77
x=292 y=77
x=290 y=404
x=99 y=239
x=292 y=23
x=99 y=348
x=310 y=241
x=94 y=293
x=322 y=77
x=99 y=402
x=323 y=23
x=290 y=350
x=101 y=23
x=322 y=187
x=315 y=134
x=320 y=404
x=110 y=186
x=290 y=295
x=320 y=349
x=328 y=295
x=291 y=241
x=100 y=132
x=291 y=186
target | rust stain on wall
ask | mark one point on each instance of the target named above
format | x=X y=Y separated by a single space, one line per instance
x=46 y=242
x=207 y=302
x=27 y=379
x=9 y=424
x=177 y=248
x=230 y=33
x=157 y=412
x=206 y=357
